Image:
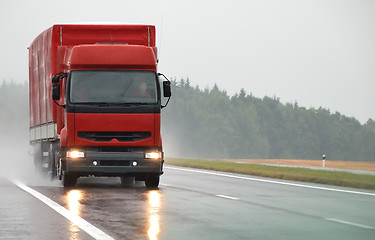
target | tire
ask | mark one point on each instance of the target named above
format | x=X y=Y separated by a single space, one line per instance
x=152 y=181
x=38 y=157
x=127 y=181
x=59 y=170
x=68 y=180
x=52 y=168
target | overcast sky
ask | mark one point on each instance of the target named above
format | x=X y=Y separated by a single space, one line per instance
x=318 y=53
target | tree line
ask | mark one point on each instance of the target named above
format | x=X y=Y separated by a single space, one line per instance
x=14 y=115
x=210 y=124
x=207 y=123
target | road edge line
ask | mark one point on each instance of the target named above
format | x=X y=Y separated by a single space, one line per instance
x=75 y=219
x=349 y=223
x=226 y=197
x=270 y=181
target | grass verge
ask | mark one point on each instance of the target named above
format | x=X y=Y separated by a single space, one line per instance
x=298 y=174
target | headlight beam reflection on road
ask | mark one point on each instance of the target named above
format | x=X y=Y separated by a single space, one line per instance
x=73 y=201
x=73 y=198
x=154 y=202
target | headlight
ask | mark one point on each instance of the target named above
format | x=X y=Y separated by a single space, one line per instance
x=153 y=155
x=75 y=154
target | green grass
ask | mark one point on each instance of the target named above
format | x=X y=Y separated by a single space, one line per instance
x=298 y=174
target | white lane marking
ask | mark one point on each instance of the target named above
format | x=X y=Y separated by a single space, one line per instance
x=271 y=181
x=219 y=195
x=80 y=222
x=227 y=197
x=165 y=185
x=349 y=223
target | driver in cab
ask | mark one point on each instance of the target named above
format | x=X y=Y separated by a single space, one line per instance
x=141 y=92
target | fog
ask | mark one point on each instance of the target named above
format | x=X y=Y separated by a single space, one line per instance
x=318 y=53
x=16 y=159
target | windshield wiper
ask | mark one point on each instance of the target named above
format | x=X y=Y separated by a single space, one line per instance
x=138 y=103
x=107 y=104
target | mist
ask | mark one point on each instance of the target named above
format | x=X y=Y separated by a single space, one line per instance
x=208 y=123
x=16 y=154
x=319 y=53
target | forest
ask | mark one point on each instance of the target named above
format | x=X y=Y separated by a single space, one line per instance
x=208 y=123
x=14 y=115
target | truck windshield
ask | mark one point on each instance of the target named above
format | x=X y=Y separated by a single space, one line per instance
x=106 y=86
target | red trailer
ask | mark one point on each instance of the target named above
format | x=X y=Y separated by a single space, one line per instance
x=95 y=102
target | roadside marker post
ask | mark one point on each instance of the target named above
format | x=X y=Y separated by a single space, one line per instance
x=324 y=160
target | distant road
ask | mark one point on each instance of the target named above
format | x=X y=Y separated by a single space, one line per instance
x=367 y=168
x=191 y=204
x=321 y=168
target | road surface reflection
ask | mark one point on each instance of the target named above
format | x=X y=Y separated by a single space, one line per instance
x=131 y=212
x=73 y=197
x=154 y=202
x=73 y=201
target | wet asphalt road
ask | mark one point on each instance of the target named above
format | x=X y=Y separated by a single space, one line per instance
x=190 y=204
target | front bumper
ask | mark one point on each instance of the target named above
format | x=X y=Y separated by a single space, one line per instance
x=98 y=163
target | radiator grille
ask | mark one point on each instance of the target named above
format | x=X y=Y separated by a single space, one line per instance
x=119 y=136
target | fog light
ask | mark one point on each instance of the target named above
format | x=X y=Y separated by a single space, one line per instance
x=135 y=163
x=75 y=154
x=95 y=163
x=153 y=155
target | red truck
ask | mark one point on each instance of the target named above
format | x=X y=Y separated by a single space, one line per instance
x=95 y=102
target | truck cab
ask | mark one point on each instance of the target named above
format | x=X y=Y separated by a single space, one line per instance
x=107 y=100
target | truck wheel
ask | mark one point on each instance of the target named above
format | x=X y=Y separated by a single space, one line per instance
x=127 y=181
x=38 y=157
x=152 y=181
x=51 y=164
x=69 y=180
x=59 y=170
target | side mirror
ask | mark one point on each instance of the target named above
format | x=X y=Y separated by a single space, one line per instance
x=167 y=89
x=56 y=79
x=55 y=91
